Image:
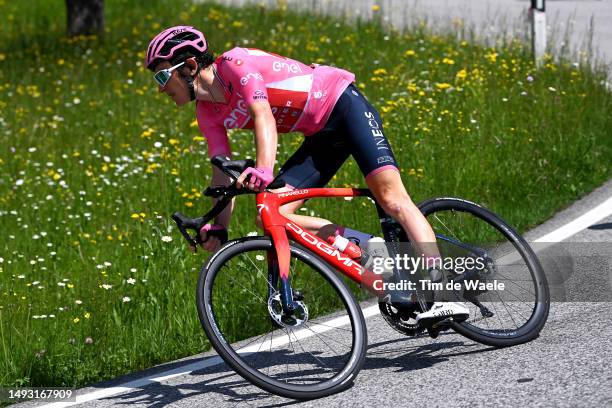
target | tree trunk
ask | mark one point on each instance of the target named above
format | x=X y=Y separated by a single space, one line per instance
x=85 y=17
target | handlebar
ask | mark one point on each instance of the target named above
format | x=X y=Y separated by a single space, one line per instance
x=233 y=169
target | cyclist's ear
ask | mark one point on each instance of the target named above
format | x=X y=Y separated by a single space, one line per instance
x=191 y=65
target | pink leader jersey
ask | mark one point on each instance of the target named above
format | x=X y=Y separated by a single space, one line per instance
x=301 y=97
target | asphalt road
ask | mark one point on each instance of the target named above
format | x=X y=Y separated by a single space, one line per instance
x=568 y=366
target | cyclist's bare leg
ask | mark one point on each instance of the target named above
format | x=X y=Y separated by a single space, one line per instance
x=391 y=194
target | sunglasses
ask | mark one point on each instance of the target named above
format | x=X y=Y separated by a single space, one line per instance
x=162 y=77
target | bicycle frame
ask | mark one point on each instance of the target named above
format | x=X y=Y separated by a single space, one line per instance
x=280 y=228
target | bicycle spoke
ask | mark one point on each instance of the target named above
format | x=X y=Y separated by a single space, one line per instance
x=259 y=272
x=507 y=279
x=249 y=290
x=319 y=337
x=331 y=338
x=253 y=341
x=333 y=327
x=308 y=352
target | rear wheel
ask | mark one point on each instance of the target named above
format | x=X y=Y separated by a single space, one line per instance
x=310 y=353
x=499 y=316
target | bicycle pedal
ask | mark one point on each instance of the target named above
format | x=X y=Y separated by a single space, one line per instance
x=437 y=327
x=443 y=324
x=433 y=333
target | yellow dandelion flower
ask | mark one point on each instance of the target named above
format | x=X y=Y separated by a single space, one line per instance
x=491 y=56
x=410 y=53
x=151 y=167
x=380 y=71
x=443 y=85
x=147 y=133
x=375 y=8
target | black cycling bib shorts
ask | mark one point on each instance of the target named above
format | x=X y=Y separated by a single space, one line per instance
x=353 y=128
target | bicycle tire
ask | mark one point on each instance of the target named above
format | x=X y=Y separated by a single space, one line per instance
x=206 y=304
x=541 y=297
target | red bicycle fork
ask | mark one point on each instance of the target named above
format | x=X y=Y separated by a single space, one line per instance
x=279 y=228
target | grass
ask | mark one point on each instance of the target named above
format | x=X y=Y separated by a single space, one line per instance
x=95 y=281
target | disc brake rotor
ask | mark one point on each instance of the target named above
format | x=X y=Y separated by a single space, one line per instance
x=296 y=318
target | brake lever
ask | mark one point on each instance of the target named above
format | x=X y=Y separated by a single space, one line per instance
x=184 y=223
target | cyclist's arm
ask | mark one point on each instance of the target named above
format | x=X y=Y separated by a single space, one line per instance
x=246 y=79
x=218 y=179
x=218 y=144
x=266 y=136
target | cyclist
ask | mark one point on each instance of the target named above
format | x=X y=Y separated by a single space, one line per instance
x=254 y=89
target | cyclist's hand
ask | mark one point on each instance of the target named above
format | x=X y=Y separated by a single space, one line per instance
x=259 y=178
x=210 y=243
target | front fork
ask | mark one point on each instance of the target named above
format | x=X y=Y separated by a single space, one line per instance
x=274 y=276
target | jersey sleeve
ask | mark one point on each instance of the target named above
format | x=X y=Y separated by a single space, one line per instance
x=218 y=142
x=246 y=79
x=216 y=135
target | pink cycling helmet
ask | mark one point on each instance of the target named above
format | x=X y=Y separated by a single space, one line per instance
x=172 y=41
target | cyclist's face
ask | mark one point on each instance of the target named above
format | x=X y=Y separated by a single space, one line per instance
x=175 y=88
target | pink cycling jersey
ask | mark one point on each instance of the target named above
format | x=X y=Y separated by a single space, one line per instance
x=301 y=97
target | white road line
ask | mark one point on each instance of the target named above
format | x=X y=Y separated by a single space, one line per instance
x=139 y=383
x=209 y=362
x=596 y=214
x=587 y=219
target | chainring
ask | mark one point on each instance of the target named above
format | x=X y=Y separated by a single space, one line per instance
x=402 y=320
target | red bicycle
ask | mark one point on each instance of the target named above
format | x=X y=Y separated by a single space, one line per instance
x=276 y=310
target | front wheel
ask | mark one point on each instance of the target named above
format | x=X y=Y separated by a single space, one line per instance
x=313 y=352
x=508 y=298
